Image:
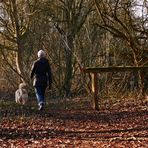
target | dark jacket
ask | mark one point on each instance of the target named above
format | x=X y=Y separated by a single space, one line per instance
x=41 y=72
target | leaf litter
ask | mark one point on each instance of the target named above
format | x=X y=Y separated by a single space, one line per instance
x=122 y=126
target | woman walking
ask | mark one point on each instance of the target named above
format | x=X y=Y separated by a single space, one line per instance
x=41 y=72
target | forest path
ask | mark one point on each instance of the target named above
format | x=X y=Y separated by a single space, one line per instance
x=119 y=127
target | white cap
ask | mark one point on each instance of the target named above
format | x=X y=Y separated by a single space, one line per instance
x=41 y=53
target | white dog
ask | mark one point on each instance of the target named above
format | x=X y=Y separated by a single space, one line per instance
x=21 y=94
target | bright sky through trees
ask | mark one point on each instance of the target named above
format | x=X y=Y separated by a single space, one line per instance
x=141 y=8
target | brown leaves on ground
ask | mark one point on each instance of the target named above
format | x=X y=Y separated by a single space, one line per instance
x=122 y=127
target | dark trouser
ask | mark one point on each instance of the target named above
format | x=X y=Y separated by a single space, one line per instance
x=40 y=94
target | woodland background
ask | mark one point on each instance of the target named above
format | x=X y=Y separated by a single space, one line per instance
x=75 y=34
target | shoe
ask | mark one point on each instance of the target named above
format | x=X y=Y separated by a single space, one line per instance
x=41 y=106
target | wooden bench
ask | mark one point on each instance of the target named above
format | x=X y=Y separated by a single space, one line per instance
x=94 y=77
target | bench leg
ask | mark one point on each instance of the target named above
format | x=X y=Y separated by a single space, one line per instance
x=94 y=77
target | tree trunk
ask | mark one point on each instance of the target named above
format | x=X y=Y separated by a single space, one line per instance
x=69 y=69
x=19 y=53
x=140 y=73
x=19 y=64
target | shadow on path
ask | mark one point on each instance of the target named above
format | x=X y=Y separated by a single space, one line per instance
x=50 y=133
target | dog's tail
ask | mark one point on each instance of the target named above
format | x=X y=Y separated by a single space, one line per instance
x=22 y=86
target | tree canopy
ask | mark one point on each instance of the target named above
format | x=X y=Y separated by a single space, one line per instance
x=73 y=33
